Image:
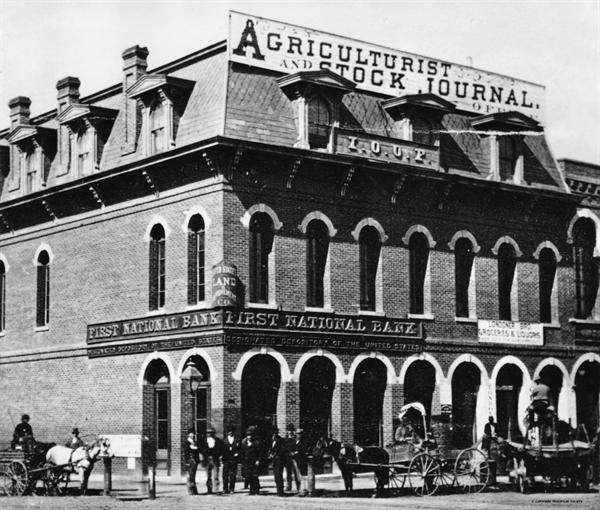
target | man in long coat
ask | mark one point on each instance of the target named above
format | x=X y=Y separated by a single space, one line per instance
x=212 y=449
x=251 y=457
x=278 y=455
x=192 y=459
x=231 y=458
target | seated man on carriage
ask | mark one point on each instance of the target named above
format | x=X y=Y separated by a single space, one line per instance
x=22 y=433
x=541 y=403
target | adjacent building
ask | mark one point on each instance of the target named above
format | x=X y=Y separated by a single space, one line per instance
x=293 y=227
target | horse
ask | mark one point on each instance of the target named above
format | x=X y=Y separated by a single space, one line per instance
x=79 y=460
x=356 y=459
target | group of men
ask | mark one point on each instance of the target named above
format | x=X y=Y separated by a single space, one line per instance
x=218 y=455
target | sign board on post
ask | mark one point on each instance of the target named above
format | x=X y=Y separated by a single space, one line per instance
x=287 y=48
x=124 y=445
x=512 y=333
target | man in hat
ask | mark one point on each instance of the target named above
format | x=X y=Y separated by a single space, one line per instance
x=278 y=455
x=300 y=452
x=231 y=457
x=290 y=442
x=74 y=441
x=192 y=459
x=22 y=431
x=541 y=399
x=251 y=455
x=212 y=448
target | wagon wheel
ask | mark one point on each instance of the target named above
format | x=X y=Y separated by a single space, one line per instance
x=423 y=471
x=472 y=470
x=53 y=480
x=397 y=480
x=19 y=479
x=5 y=482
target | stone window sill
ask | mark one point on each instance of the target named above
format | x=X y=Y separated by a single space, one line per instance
x=41 y=328
x=268 y=306
x=466 y=320
x=421 y=316
x=318 y=309
x=373 y=313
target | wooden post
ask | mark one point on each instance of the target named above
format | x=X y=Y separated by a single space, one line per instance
x=310 y=478
x=151 y=481
x=107 y=475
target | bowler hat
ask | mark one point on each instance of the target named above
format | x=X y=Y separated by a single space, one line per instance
x=290 y=427
x=25 y=417
x=251 y=430
x=75 y=431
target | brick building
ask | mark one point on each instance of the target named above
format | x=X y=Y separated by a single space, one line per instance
x=313 y=243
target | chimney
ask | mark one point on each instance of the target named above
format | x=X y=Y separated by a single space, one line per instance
x=19 y=111
x=134 y=66
x=68 y=93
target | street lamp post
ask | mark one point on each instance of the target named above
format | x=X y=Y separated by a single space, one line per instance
x=192 y=378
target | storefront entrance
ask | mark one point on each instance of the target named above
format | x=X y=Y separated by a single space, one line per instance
x=465 y=388
x=369 y=388
x=317 y=382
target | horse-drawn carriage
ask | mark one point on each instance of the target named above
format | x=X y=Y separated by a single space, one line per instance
x=416 y=463
x=550 y=449
x=50 y=466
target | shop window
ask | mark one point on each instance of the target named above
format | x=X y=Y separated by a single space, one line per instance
x=463 y=273
x=157 y=267
x=319 y=123
x=586 y=272
x=157 y=131
x=196 y=252
x=261 y=246
x=43 y=290
x=2 y=296
x=317 y=248
x=507 y=265
x=370 y=249
x=507 y=157
x=418 y=265
x=547 y=271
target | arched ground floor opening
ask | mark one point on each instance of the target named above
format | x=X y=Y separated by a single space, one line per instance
x=466 y=382
x=317 y=384
x=508 y=389
x=587 y=394
x=370 y=381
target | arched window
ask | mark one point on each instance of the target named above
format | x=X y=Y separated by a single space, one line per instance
x=586 y=272
x=43 y=290
x=196 y=283
x=261 y=245
x=418 y=247
x=319 y=123
x=547 y=266
x=463 y=269
x=507 y=264
x=83 y=146
x=317 y=248
x=507 y=157
x=157 y=267
x=2 y=296
x=370 y=248
x=157 y=127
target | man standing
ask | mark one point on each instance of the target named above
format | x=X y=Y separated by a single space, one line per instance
x=290 y=442
x=22 y=431
x=489 y=433
x=251 y=454
x=192 y=458
x=300 y=452
x=213 y=450
x=231 y=457
x=278 y=455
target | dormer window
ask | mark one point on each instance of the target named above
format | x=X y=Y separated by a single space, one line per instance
x=157 y=127
x=317 y=96
x=163 y=99
x=29 y=166
x=505 y=131
x=83 y=150
x=319 y=123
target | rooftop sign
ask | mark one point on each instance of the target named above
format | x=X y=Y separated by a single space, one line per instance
x=288 y=48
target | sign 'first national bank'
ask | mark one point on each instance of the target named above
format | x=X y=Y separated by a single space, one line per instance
x=288 y=48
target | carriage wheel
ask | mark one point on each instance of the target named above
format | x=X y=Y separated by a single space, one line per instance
x=397 y=481
x=5 y=482
x=423 y=472
x=53 y=479
x=17 y=472
x=472 y=470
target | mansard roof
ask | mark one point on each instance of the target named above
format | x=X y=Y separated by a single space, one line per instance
x=25 y=131
x=152 y=82
x=291 y=84
x=79 y=111
x=506 y=121
x=398 y=106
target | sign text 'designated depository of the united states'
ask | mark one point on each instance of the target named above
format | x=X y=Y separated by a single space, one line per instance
x=287 y=48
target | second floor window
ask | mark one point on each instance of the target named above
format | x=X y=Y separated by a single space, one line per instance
x=418 y=260
x=370 y=249
x=196 y=237
x=586 y=272
x=507 y=265
x=43 y=290
x=261 y=245
x=547 y=267
x=463 y=268
x=157 y=268
x=157 y=127
x=317 y=247
x=2 y=296
x=319 y=123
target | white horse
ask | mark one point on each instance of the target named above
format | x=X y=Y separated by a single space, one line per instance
x=80 y=460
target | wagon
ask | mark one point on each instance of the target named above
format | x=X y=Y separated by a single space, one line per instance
x=21 y=470
x=424 y=469
x=566 y=459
